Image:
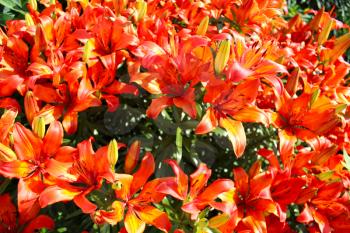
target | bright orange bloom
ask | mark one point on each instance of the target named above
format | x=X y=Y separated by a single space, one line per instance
x=195 y=195
x=251 y=201
x=229 y=101
x=304 y=117
x=13 y=62
x=8 y=219
x=171 y=74
x=36 y=162
x=89 y=168
x=138 y=205
x=35 y=156
x=258 y=15
x=328 y=202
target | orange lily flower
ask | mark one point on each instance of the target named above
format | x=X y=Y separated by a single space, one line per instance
x=73 y=98
x=139 y=210
x=304 y=117
x=89 y=169
x=198 y=196
x=285 y=186
x=328 y=202
x=34 y=156
x=171 y=74
x=229 y=101
x=253 y=61
x=252 y=201
x=110 y=42
x=13 y=63
x=8 y=219
x=36 y=162
x=256 y=15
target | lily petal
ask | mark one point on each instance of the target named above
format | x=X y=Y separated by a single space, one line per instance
x=236 y=134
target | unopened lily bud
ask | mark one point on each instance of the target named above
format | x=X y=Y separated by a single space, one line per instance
x=88 y=48
x=218 y=220
x=314 y=97
x=119 y=5
x=141 y=7
x=113 y=153
x=29 y=20
x=132 y=156
x=292 y=82
x=12 y=140
x=341 y=44
x=325 y=31
x=315 y=22
x=30 y=106
x=33 y=4
x=39 y=126
x=6 y=154
x=222 y=56
x=203 y=26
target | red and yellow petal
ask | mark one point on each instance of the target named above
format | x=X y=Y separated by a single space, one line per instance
x=236 y=134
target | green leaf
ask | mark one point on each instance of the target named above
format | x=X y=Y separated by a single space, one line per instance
x=340 y=108
x=10 y=3
x=5 y=17
x=205 y=151
x=123 y=120
x=165 y=123
x=105 y=228
x=13 y=5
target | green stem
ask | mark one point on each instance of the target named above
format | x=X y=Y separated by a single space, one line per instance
x=178 y=142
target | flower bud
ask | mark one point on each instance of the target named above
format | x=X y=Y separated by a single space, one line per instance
x=88 y=48
x=203 y=26
x=39 y=126
x=113 y=153
x=6 y=154
x=141 y=7
x=132 y=157
x=29 y=20
x=33 y=4
x=222 y=56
